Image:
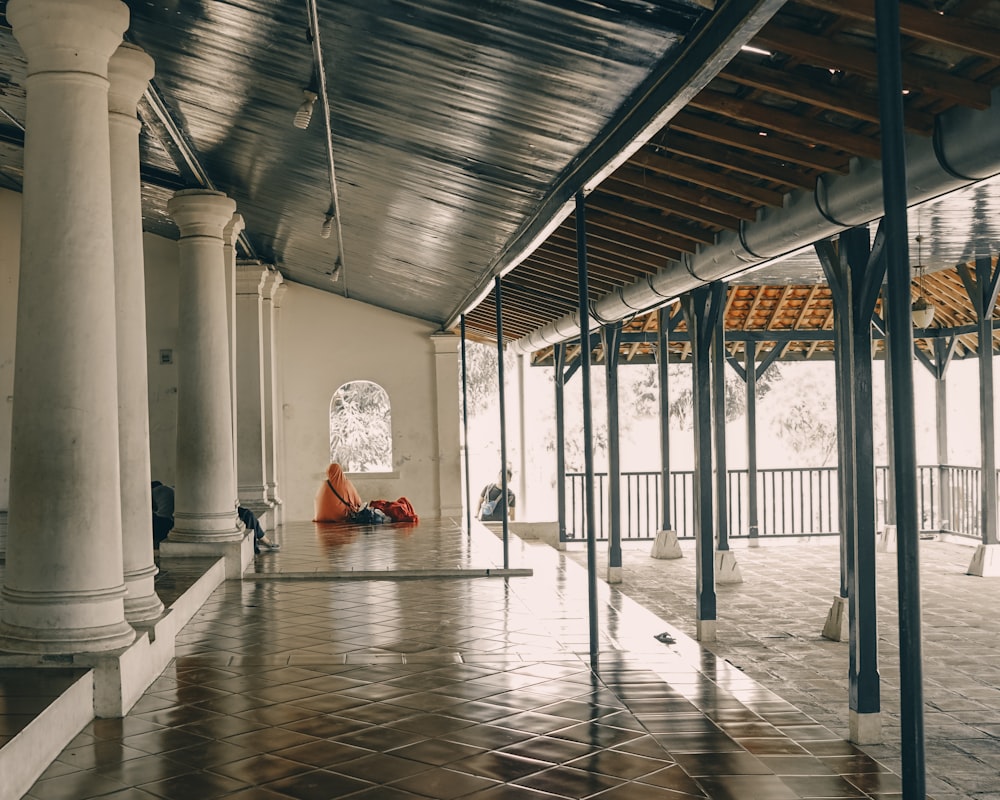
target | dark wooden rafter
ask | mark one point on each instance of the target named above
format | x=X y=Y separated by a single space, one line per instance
x=805 y=130
x=633 y=211
x=924 y=24
x=824 y=52
x=624 y=183
x=776 y=173
x=783 y=83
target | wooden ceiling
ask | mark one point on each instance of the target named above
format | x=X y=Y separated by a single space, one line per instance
x=797 y=320
x=799 y=103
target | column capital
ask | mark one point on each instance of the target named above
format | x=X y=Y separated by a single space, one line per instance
x=273 y=283
x=233 y=229
x=129 y=71
x=250 y=279
x=278 y=293
x=68 y=35
x=445 y=343
x=201 y=212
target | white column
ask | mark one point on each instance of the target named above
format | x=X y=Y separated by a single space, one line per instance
x=250 y=281
x=10 y=223
x=229 y=235
x=129 y=72
x=449 y=445
x=205 y=498
x=522 y=501
x=273 y=287
x=63 y=590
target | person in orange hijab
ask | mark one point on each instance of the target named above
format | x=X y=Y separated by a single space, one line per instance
x=337 y=498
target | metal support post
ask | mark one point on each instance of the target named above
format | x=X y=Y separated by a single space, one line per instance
x=611 y=338
x=900 y=339
x=465 y=430
x=503 y=424
x=750 y=366
x=663 y=367
x=854 y=273
x=943 y=350
x=718 y=357
x=588 y=424
x=702 y=307
x=559 y=358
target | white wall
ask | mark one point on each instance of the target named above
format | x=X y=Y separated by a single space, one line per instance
x=324 y=341
x=10 y=258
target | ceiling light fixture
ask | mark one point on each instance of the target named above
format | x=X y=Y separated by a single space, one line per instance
x=305 y=112
x=328 y=221
x=338 y=267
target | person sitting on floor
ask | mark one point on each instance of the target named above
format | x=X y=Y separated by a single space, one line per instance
x=491 y=506
x=337 y=499
x=163 y=519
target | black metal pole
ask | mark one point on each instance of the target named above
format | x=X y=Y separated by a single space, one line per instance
x=719 y=432
x=900 y=336
x=700 y=306
x=611 y=335
x=588 y=422
x=663 y=367
x=750 y=362
x=503 y=425
x=987 y=417
x=559 y=365
x=465 y=429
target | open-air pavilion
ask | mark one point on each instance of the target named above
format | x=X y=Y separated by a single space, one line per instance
x=216 y=215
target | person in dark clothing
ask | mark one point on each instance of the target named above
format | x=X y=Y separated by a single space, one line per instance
x=491 y=505
x=163 y=519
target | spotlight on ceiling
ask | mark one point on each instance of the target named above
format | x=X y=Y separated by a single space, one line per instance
x=305 y=112
x=337 y=269
x=327 y=228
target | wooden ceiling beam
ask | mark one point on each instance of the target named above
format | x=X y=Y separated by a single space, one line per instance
x=727 y=158
x=631 y=210
x=924 y=24
x=636 y=174
x=752 y=142
x=806 y=130
x=619 y=267
x=645 y=193
x=661 y=253
x=830 y=98
x=726 y=184
x=608 y=222
x=611 y=249
x=552 y=259
x=824 y=52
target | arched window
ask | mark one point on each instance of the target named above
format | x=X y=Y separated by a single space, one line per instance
x=361 y=428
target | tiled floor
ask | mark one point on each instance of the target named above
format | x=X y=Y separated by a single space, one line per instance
x=446 y=688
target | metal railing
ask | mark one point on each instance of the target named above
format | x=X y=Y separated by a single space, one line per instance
x=797 y=501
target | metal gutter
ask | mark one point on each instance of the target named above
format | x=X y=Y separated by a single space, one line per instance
x=965 y=148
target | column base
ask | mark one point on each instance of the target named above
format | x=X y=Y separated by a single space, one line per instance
x=727 y=569
x=237 y=555
x=986 y=561
x=753 y=540
x=705 y=630
x=64 y=642
x=141 y=601
x=614 y=575
x=865 y=728
x=836 y=628
x=666 y=546
x=3 y=535
x=887 y=541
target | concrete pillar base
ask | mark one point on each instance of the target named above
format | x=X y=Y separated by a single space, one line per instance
x=237 y=555
x=986 y=561
x=836 y=628
x=666 y=545
x=753 y=540
x=865 y=728
x=614 y=575
x=727 y=569
x=887 y=541
x=705 y=630
x=3 y=535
